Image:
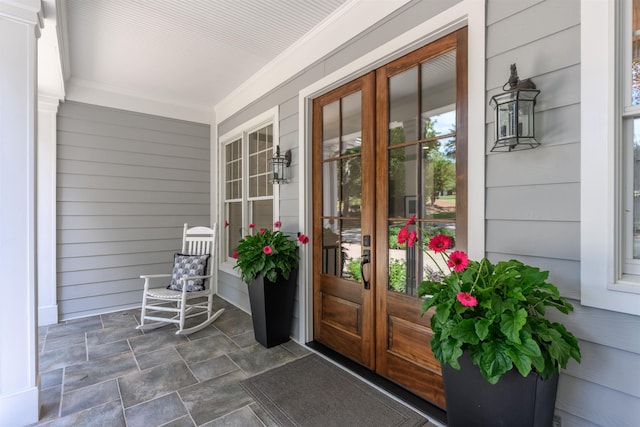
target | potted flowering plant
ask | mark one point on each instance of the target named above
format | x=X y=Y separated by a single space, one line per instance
x=268 y=263
x=491 y=317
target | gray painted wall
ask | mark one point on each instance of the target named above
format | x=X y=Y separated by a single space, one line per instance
x=126 y=184
x=532 y=197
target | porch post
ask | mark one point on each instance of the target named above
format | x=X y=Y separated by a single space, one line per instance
x=46 y=210
x=20 y=24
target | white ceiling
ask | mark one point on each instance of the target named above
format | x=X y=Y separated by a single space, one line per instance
x=191 y=53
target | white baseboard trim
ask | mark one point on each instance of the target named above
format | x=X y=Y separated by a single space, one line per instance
x=19 y=409
x=48 y=315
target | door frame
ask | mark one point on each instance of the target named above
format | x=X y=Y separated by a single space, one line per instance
x=470 y=13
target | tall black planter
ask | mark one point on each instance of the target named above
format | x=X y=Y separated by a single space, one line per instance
x=513 y=401
x=272 y=308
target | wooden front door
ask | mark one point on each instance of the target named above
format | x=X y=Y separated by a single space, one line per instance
x=386 y=146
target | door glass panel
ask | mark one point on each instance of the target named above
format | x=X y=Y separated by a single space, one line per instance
x=351 y=196
x=398 y=268
x=422 y=174
x=331 y=256
x=432 y=267
x=403 y=107
x=330 y=182
x=438 y=96
x=351 y=247
x=331 y=130
x=351 y=123
x=403 y=191
x=438 y=181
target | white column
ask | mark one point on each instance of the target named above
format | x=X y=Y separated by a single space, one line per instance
x=214 y=197
x=19 y=28
x=46 y=210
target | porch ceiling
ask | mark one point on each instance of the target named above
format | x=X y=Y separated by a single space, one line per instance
x=189 y=52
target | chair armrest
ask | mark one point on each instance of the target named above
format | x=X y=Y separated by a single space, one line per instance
x=154 y=276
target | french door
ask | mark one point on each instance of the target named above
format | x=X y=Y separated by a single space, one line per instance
x=386 y=146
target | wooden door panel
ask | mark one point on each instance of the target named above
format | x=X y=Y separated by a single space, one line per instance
x=403 y=352
x=343 y=308
x=422 y=382
x=342 y=314
x=410 y=341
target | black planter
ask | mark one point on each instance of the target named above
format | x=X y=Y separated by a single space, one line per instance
x=272 y=308
x=513 y=401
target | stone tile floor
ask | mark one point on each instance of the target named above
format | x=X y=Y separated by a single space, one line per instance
x=101 y=371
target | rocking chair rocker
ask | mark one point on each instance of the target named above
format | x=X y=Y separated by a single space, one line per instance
x=190 y=280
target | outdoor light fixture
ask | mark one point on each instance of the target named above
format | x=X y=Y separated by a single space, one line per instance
x=515 y=110
x=279 y=165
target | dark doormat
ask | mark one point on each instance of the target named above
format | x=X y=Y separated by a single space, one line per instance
x=313 y=392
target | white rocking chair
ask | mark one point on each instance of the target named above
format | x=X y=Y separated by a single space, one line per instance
x=190 y=280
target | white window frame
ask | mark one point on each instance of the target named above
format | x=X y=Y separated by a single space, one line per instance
x=602 y=223
x=269 y=117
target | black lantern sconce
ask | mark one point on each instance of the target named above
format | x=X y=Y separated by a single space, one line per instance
x=515 y=110
x=279 y=165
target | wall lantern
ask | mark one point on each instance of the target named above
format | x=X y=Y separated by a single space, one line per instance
x=514 y=118
x=279 y=165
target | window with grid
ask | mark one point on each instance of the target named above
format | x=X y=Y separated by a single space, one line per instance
x=260 y=190
x=248 y=194
x=233 y=195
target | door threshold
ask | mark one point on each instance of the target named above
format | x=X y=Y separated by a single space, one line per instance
x=408 y=398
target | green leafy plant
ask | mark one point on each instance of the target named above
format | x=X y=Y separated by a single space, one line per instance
x=397 y=275
x=496 y=312
x=269 y=253
x=353 y=269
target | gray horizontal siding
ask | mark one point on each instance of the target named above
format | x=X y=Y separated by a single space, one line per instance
x=599 y=405
x=562 y=202
x=97 y=114
x=126 y=184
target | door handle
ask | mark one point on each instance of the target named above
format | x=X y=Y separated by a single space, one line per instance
x=366 y=259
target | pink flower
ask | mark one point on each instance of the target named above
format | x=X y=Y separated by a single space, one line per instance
x=235 y=254
x=226 y=223
x=439 y=243
x=252 y=225
x=264 y=230
x=303 y=239
x=277 y=224
x=467 y=299
x=267 y=250
x=411 y=220
x=413 y=236
x=403 y=235
x=458 y=260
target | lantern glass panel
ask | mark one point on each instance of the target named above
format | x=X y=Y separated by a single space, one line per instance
x=525 y=119
x=507 y=120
